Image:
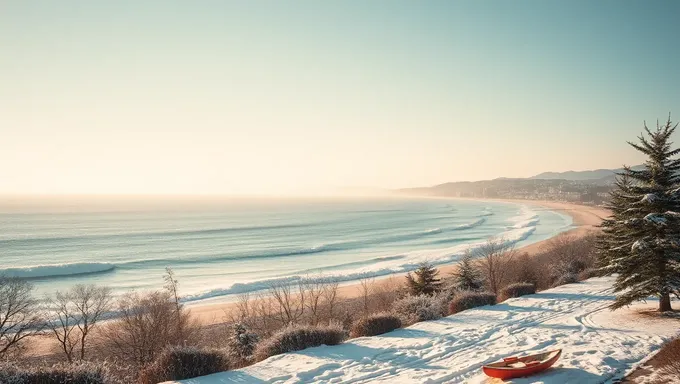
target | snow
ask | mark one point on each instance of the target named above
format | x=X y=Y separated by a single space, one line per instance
x=655 y=218
x=649 y=198
x=598 y=345
x=638 y=245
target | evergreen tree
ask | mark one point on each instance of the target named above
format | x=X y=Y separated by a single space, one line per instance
x=425 y=280
x=467 y=277
x=641 y=241
x=241 y=344
x=616 y=238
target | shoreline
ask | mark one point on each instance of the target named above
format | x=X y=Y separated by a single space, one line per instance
x=584 y=220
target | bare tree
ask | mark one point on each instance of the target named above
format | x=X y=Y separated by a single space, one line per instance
x=365 y=289
x=291 y=303
x=263 y=314
x=494 y=257
x=146 y=324
x=75 y=313
x=19 y=315
x=172 y=286
x=569 y=255
x=314 y=289
x=330 y=296
x=386 y=292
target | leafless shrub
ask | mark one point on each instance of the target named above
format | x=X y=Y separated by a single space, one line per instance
x=517 y=290
x=298 y=337
x=568 y=278
x=570 y=255
x=19 y=314
x=523 y=269
x=81 y=373
x=494 y=257
x=146 y=324
x=365 y=290
x=330 y=298
x=668 y=359
x=313 y=289
x=386 y=292
x=74 y=314
x=413 y=309
x=290 y=300
x=375 y=324
x=588 y=273
x=468 y=300
x=178 y=363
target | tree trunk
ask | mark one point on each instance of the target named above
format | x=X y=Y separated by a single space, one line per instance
x=665 y=302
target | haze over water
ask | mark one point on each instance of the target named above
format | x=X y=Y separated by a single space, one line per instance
x=224 y=247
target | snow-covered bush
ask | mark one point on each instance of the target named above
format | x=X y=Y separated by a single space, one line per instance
x=82 y=373
x=241 y=344
x=413 y=309
x=177 y=363
x=568 y=278
x=375 y=324
x=299 y=337
x=517 y=290
x=588 y=273
x=469 y=299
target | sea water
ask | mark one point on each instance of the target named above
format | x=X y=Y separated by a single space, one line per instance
x=220 y=248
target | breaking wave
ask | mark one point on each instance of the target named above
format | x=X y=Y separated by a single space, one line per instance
x=381 y=266
x=56 y=270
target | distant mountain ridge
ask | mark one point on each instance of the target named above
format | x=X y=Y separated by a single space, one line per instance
x=604 y=175
x=587 y=187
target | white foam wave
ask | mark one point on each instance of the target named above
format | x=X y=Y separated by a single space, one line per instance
x=526 y=223
x=470 y=225
x=402 y=263
x=54 y=270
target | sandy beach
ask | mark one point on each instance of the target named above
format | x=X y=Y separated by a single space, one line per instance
x=585 y=219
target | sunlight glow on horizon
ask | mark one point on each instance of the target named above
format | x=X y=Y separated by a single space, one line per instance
x=262 y=98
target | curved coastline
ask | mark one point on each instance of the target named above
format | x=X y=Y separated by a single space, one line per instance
x=585 y=219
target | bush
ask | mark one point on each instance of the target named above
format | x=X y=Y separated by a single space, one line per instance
x=468 y=299
x=178 y=363
x=669 y=359
x=85 y=373
x=376 y=324
x=413 y=309
x=241 y=344
x=298 y=337
x=568 y=278
x=517 y=290
x=588 y=273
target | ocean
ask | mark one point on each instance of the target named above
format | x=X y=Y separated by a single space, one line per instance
x=221 y=248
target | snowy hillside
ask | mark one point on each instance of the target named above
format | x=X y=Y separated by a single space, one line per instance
x=598 y=344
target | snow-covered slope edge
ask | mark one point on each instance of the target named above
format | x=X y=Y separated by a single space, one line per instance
x=598 y=345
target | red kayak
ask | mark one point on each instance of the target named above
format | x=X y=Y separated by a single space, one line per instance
x=513 y=367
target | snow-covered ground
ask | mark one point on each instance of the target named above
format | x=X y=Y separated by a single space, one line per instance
x=598 y=345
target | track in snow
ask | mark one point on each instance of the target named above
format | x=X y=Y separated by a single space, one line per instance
x=598 y=345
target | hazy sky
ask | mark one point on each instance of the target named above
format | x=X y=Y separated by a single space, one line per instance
x=282 y=97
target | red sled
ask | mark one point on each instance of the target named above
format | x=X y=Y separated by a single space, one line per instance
x=513 y=367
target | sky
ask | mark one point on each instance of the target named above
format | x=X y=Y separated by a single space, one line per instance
x=300 y=97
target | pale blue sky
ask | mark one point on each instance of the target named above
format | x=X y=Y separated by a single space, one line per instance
x=277 y=98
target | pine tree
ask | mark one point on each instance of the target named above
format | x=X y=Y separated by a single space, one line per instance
x=467 y=277
x=425 y=281
x=641 y=242
x=241 y=344
x=616 y=238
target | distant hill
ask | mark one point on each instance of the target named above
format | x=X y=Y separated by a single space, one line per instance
x=604 y=175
